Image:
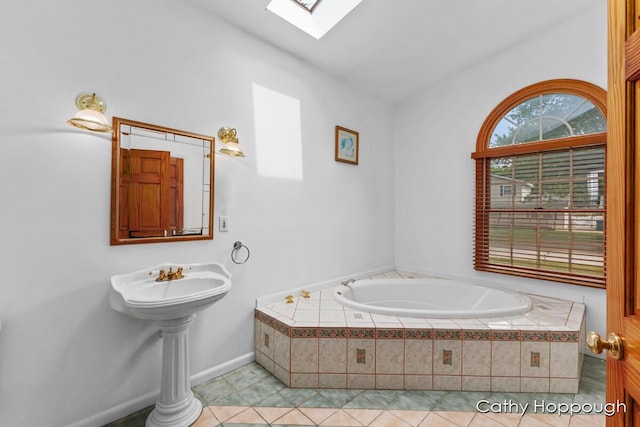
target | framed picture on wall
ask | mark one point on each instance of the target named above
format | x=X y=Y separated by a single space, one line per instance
x=347 y=144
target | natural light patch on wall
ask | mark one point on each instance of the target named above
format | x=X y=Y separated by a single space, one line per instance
x=324 y=17
x=278 y=134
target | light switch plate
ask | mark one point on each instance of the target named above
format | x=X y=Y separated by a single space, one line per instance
x=223 y=223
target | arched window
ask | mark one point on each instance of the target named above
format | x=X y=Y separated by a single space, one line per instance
x=540 y=194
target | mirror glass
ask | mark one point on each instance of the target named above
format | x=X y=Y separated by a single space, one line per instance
x=161 y=184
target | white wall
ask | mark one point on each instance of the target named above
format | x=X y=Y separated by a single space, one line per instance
x=65 y=355
x=436 y=132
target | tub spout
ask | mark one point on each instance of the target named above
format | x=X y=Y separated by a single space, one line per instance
x=347 y=282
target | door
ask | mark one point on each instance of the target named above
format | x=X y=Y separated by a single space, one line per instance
x=623 y=209
x=148 y=193
x=151 y=194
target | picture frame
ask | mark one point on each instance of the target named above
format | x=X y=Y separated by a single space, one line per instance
x=347 y=145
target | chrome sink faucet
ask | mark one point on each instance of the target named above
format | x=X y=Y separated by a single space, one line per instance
x=347 y=282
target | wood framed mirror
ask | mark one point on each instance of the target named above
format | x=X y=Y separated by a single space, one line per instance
x=161 y=184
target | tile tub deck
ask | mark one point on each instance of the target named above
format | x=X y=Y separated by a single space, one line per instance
x=317 y=343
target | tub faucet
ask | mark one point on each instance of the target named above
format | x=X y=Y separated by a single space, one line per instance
x=347 y=282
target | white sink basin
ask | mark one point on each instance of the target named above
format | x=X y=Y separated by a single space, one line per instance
x=174 y=304
x=138 y=294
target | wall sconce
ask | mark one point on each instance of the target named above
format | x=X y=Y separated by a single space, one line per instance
x=91 y=115
x=230 y=144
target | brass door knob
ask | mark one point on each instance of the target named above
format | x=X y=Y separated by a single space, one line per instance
x=613 y=344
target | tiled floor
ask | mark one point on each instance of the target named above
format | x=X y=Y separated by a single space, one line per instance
x=250 y=396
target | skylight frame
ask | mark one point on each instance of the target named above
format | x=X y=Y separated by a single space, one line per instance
x=315 y=24
x=303 y=4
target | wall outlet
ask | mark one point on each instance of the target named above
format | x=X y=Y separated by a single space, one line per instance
x=223 y=223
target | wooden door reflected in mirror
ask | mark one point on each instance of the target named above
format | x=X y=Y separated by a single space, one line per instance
x=161 y=184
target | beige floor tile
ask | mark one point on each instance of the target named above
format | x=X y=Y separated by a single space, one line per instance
x=206 y=419
x=495 y=420
x=587 y=421
x=295 y=417
x=529 y=421
x=434 y=420
x=271 y=414
x=413 y=418
x=546 y=420
x=248 y=416
x=223 y=413
x=365 y=416
x=341 y=419
x=509 y=420
x=318 y=415
x=461 y=419
x=387 y=419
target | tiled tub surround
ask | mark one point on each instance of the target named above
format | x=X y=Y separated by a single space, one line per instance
x=317 y=343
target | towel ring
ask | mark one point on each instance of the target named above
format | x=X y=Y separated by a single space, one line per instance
x=236 y=247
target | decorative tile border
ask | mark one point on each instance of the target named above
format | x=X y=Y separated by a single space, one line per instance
x=332 y=332
x=304 y=332
x=446 y=334
x=564 y=336
x=477 y=335
x=534 y=336
x=274 y=323
x=390 y=333
x=506 y=335
x=417 y=333
x=361 y=333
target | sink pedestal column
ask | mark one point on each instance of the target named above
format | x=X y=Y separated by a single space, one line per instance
x=176 y=407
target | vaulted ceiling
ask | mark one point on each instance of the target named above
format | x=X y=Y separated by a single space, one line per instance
x=396 y=48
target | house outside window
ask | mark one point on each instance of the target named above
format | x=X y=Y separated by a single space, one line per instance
x=540 y=195
x=506 y=190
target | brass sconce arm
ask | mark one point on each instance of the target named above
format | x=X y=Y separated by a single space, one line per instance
x=229 y=138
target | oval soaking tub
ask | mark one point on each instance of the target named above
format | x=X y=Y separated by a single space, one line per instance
x=430 y=298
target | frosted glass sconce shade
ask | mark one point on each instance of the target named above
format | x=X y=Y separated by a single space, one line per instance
x=230 y=144
x=91 y=115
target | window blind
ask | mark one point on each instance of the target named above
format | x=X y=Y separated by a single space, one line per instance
x=550 y=223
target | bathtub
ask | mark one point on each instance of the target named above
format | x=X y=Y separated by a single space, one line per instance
x=311 y=341
x=430 y=298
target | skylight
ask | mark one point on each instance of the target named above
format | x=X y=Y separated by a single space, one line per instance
x=325 y=16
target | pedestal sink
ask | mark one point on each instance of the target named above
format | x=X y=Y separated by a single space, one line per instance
x=184 y=289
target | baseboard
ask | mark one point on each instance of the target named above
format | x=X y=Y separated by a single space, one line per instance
x=112 y=414
x=222 y=369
